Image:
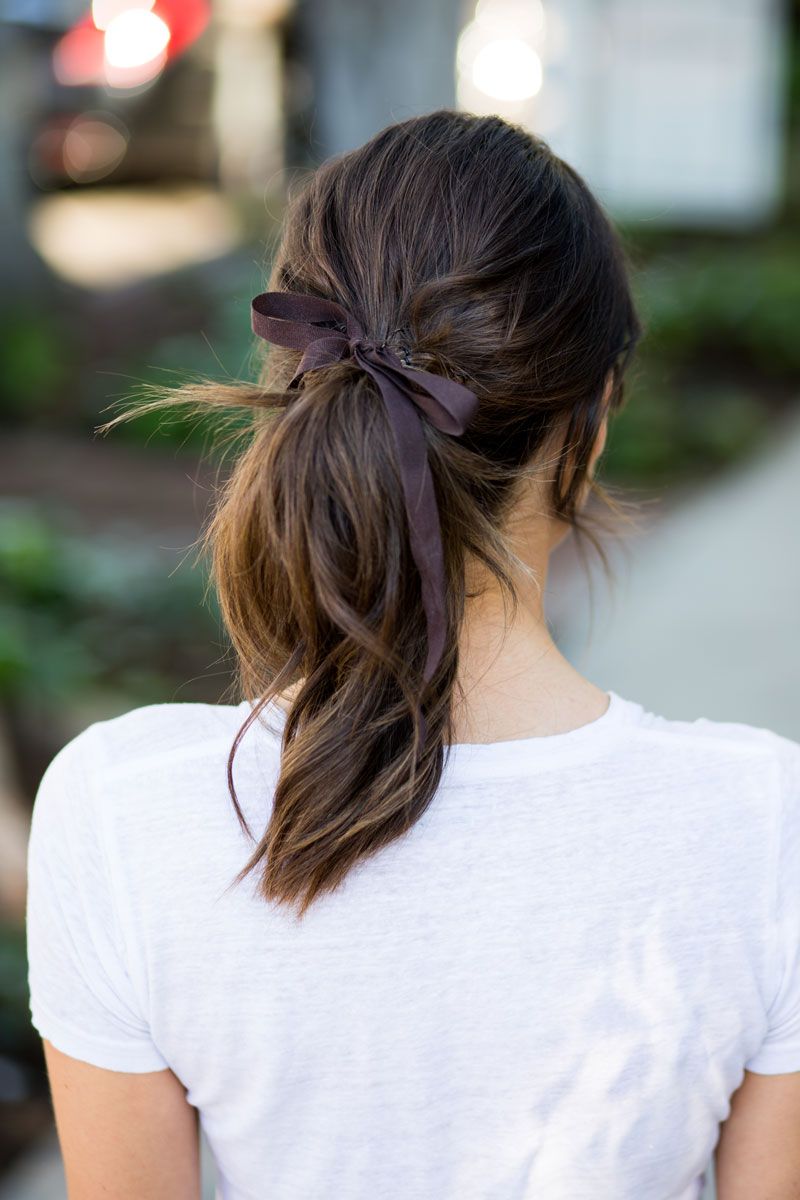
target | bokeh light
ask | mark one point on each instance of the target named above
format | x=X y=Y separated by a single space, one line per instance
x=135 y=38
x=507 y=69
x=106 y=11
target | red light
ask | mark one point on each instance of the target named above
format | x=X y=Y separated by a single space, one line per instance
x=80 y=56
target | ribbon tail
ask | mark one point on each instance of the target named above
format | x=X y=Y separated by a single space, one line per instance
x=423 y=515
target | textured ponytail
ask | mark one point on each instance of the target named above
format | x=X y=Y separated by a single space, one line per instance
x=466 y=240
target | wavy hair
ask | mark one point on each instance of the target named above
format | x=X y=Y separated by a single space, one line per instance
x=467 y=242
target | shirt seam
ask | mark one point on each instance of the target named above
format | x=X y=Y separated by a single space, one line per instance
x=700 y=735
x=624 y=731
x=553 y=757
x=189 y=752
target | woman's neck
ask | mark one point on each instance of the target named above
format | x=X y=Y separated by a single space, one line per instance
x=515 y=684
x=515 y=681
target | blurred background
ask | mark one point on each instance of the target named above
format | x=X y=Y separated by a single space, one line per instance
x=146 y=149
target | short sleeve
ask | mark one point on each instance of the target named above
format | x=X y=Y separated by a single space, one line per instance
x=81 y=995
x=780 y=1048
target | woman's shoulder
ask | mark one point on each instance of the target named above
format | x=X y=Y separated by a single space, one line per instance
x=153 y=732
x=127 y=764
x=726 y=739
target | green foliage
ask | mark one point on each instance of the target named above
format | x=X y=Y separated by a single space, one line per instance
x=36 y=360
x=80 y=613
x=736 y=303
x=720 y=352
x=225 y=352
x=670 y=433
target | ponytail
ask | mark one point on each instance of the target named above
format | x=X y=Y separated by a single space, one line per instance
x=316 y=583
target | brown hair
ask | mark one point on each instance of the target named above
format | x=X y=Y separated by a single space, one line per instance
x=466 y=241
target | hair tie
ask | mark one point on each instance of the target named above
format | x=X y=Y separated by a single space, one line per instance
x=304 y=322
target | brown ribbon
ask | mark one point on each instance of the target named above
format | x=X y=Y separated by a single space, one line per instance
x=303 y=322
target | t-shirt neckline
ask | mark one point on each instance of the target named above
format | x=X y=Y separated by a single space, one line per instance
x=471 y=760
x=580 y=732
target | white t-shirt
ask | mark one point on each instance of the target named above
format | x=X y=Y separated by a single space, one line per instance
x=549 y=988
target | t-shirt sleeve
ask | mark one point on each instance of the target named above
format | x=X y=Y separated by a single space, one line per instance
x=81 y=995
x=780 y=1049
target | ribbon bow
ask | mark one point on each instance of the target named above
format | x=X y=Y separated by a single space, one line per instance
x=303 y=322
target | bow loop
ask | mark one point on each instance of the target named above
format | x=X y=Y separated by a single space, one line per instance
x=326 y=333
x=326 y=349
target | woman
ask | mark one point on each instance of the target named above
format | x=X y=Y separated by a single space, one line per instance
x=429 y=915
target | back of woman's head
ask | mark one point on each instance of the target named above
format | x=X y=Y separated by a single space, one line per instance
x=471 y=250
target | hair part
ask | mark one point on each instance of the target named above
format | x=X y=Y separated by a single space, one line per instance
x=466 y=243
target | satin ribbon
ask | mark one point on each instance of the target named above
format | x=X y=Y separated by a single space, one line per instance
x=303 y=322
